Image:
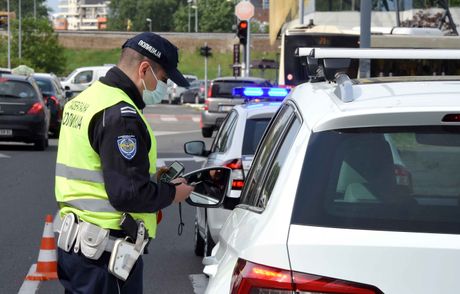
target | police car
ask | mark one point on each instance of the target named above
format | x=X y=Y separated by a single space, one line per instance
x=233 y=147
x=322 y=209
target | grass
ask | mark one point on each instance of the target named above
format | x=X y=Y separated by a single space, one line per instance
x=189 y=62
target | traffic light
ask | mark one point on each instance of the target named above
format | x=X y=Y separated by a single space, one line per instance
x=205 y=51
x=242 y=31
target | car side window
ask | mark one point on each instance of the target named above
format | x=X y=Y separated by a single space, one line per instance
x=84 y=77
x=267 y=146
x=276 y=163
x=225 y=134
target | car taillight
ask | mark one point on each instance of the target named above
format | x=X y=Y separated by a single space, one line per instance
x=36 y=108
x=251 y=278
x=55 y=100
x=210 y=90
x=206 y=104
x=236 y=166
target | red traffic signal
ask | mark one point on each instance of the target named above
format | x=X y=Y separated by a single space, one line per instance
x=242 y=31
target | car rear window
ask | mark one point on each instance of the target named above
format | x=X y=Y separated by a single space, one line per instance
x=16 y=89
x=44 y=85
x=224 y=89
x=253 y=132
x=394 y=179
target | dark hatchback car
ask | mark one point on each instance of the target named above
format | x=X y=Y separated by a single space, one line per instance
x=24 y=116
x=54 y=98
x=220 y=100
x=194 y=94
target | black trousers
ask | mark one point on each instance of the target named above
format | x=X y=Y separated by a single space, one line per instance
x=80 y=275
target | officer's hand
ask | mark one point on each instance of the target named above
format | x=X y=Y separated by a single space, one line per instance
x=182 y=189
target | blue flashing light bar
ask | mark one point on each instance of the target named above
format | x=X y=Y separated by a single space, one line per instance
x=261 y=93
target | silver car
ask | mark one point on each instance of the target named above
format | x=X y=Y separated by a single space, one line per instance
x=221 y=100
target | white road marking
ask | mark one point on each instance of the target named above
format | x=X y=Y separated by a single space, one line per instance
x=196 y=119
x=30 y=287
x=165 y=133
x=4 y=155
x=168 y=118
x=199 y=283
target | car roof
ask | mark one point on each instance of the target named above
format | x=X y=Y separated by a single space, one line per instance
x=258 y=109
x=394 y=101
x=17 y=77
x=45 y=75
x=231 y=78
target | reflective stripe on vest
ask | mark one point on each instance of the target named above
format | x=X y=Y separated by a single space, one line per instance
x=94 y=205
x=74 y=173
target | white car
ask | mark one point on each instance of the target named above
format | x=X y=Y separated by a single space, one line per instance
x=322 y=210
x=82 y=77
x=234 y=147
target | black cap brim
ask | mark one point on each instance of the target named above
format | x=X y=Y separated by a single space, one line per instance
x=175 y=76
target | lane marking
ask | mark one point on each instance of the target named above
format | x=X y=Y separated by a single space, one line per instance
x=168 y=118
x=196 y=119
x=30 y=287
x=166 y=133
x=199 y=283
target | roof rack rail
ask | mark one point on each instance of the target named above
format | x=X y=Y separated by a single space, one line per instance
x=373 y=53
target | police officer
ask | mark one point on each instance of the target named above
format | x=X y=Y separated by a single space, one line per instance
x=106 y=161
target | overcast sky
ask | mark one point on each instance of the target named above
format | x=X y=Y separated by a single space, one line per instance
x=53 y=4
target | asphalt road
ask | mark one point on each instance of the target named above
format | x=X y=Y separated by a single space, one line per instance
x=27 y=195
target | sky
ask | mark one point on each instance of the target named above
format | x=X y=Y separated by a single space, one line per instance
x=53 y=4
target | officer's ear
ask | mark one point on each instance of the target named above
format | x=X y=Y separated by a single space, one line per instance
x=143 y=68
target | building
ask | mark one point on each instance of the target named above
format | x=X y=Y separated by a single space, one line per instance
x=82 y=15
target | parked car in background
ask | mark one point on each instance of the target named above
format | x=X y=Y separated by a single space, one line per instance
x=55 y=98
x=221 y=100
x=24 y=116
x=233 y=147
x=82 y=77
x=174 y=91
x=194 y=94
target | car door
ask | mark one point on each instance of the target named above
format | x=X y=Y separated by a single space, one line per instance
x=218 y=151
x=239 y=235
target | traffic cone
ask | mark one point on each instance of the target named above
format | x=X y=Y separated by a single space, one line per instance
x=46 y=267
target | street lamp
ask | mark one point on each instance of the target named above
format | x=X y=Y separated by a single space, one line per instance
x=150 y=23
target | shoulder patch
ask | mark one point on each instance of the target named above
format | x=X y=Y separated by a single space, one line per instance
x=128 y=111
x=127 y=145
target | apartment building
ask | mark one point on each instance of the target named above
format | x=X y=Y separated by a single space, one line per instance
x=82 y=15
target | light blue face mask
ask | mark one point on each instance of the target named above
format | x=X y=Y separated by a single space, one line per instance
x=155 y=96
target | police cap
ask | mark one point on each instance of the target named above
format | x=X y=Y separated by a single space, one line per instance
x=160 y=50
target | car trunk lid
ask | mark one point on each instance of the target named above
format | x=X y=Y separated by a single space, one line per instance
x=394 y=262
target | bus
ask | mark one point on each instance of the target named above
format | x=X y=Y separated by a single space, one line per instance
x=293 y=70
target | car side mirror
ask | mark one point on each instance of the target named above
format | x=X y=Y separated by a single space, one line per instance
x=210 y=186
x=197 y=148
x=68 y=94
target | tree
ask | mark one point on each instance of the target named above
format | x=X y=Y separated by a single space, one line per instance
x=159 y=11
x=213 y=16
x=40 y=47
x=27 y=7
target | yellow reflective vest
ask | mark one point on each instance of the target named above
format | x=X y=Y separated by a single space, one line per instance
x=79 y=182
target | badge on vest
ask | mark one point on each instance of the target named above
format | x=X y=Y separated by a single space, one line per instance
x=127 y=145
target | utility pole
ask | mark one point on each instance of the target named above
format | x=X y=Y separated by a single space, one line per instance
x=301 y=11
x=365 y=37
x=9 y=33
x=196 y=16
x=189 y=4
x=248 y=51
x=20 y=32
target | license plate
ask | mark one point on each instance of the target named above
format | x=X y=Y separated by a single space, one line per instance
x=6 y=132
x=225 y=108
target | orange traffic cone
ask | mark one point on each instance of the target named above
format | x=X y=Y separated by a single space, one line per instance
x=46 y=267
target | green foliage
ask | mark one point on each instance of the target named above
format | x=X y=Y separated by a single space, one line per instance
x=40 y=48
x=213 y=16
x=190 y=62
x=159 y=11
x=27 y=7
